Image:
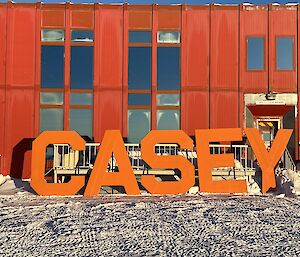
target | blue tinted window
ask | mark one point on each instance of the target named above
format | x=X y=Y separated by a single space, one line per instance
x=139 y=99
x=168 y=119
x=82 y=36
x=82 y=67
x=51 y=119
x=81 y=120
x=168 y=68
x=52 y=67
x=255 y=53
x=284 y=53
x=138 y=125
x=139 y=68
x=140 y=37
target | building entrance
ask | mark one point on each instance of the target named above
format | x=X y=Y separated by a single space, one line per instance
x=268 y=128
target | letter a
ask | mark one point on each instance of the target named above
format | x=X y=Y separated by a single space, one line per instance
x=112 y=143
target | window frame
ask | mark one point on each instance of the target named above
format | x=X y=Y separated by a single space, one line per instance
x=264 y=53
x=293 y=53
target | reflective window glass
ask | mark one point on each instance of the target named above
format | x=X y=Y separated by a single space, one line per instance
x=50 y=35
x=52 y=98
x=284 y=53
x=168 y=99
x=168 y=37
x=82 y=67
x=139 y=68
x=138 y=125
x=52 y=67
x=81 y=120
x=168 y=68
x=82 y=36
x=139 y=99
x=140 y=37
x=51 y=119
x=168 y=119
x=255 y=53
x=81 y=99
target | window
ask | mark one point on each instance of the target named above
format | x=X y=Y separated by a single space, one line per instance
x=138 y=124
x=284 y=53
x=81 y=99
x=139 y=99
x=52 y=66
x=81 y=67
x=168 y=68
x=168 y=99
x=140 y=37
x=168 y=119
x=139 y=68
x=51 y=119
x=50 y=35
x=168 y=37
x=52 y=98
x=255 y=53
x=81 y=120
x=82 y=36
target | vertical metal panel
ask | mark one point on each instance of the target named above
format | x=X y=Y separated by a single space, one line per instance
x=195 y=68
x=108 y=94
x=283 y=22
x=53 y=15
x=154 y=66
x=169 y=17
x=224 y=67
x=224 y=109
x=3 y=11
x=20 y=79
x=67 y=66
x=253 y=23
x=139 y=17
x=82 y=16
x=126 y=15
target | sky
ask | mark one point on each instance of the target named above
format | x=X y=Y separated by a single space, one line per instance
x=164 y=1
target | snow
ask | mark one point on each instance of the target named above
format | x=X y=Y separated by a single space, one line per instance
x=118 y=225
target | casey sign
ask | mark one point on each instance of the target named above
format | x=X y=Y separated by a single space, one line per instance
x=113 y=143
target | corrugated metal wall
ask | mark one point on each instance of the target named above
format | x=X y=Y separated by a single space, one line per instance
x=214 y=75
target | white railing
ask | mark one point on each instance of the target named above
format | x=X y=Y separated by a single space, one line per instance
x=69 y=162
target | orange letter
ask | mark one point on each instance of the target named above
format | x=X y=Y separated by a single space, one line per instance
x=207 y=161
x=268 y=160
x=39 y=145
x=112 y=143
x=187 y=169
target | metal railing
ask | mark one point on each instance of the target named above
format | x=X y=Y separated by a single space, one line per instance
x=69 y=162
x=287 y=160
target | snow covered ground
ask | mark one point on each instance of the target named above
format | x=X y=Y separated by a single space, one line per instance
x=186 y=225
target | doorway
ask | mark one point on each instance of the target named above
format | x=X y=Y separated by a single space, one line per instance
x=268 y=128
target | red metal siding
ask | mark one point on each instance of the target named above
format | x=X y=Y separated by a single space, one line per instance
x=20 y=79
x=283 y=22
x=224 y=67
x=2 y=79
x=82 y=16
x=253 y=23
x=108 y=93
x=53 y=15
x=140 y=17
x=168 y=17
x=195 y=69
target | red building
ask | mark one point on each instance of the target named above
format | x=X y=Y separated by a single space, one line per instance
x=93 y=67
